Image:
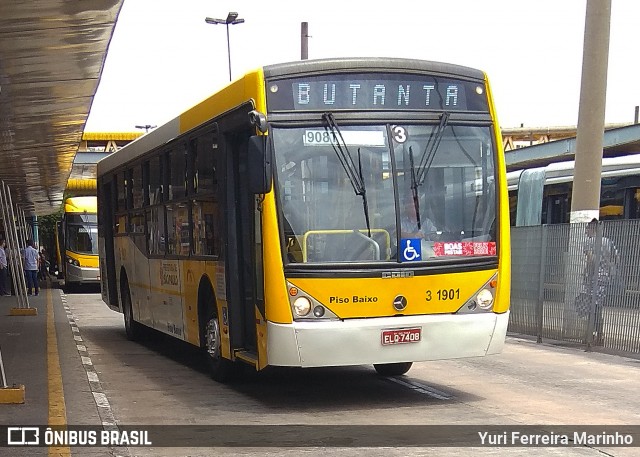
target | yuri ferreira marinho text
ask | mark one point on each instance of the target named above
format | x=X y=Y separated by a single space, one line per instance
x=515 y=438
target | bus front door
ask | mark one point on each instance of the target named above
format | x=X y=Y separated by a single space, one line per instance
x=240 y=255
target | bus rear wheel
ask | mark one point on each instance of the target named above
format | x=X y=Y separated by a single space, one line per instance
x=221 y=369
x=132 y=328
x=392 y=369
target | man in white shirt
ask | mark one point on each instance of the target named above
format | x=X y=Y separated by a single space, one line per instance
x=31 y=261
x=3 y=270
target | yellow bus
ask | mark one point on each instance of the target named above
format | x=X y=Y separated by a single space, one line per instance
x=77 y=242
x=265 y=224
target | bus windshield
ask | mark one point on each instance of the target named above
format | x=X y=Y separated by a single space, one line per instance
x=430 y=184
x=82 y=233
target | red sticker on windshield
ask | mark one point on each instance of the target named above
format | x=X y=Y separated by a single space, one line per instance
x=464 y=248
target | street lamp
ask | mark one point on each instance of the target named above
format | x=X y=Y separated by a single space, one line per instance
x=146 y=127
x=232 y=19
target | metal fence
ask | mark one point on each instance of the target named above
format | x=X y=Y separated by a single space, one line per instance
x=558 y=292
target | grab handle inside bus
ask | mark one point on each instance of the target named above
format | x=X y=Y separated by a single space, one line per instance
x=259 y=166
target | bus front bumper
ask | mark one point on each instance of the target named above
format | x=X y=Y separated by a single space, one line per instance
x=82 y=275
x=359 y=341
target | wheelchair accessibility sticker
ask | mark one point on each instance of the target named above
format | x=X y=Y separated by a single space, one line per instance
x=411 y=249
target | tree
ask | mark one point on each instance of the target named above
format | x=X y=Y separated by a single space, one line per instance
x=47 y=232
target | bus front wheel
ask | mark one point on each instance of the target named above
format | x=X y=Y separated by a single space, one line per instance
x=392 y=369
x=221 y=369
x=132 y=328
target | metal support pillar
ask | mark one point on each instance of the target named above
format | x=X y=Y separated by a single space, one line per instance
x=11 y=249
x=585 y=200
x=304 y=41
x=17 y=269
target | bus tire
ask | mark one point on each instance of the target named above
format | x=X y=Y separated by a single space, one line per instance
x=221 y=369
x=132 y=328
x=392 y=369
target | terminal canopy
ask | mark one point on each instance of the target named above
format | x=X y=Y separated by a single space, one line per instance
x=51 y=58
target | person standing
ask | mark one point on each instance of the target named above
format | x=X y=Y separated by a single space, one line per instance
x=598 y=272
x=31 y=261
x=3 y=270
x=42 y=272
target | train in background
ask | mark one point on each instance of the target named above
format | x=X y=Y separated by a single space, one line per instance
x=543 y=195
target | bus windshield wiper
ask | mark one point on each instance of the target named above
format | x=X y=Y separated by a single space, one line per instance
x=354 y=174
x=414 y=188
x=430 y=149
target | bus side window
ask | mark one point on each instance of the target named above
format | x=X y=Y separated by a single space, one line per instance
x=206 y=164
x=155 y=181
x=155 y=230
x=136 y=186
x=171 y=230
x=145 y=183
x=204 y=235
x=178 y=229
x=121 y=192
x=178 y=158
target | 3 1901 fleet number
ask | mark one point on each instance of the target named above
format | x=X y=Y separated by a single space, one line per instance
x=443 y=294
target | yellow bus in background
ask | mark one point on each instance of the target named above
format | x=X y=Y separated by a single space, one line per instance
x=76 y=232
x=267 y=224
x=77 y=242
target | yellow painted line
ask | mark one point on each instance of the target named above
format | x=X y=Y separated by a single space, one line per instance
x=57 y=408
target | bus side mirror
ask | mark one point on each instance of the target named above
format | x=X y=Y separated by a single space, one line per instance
x=259 y=166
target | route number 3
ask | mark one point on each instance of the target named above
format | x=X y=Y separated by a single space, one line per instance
x=399 y=134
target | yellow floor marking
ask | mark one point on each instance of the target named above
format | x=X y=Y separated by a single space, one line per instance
x=57 y=409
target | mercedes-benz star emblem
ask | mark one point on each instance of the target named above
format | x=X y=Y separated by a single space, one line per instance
x=400 y=302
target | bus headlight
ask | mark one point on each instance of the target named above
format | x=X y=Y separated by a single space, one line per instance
x=306 y=308
x=73 y=262
x=302 y=306
x=484 y=299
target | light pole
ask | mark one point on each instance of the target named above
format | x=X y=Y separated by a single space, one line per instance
x=232 y=19
x=146 y=127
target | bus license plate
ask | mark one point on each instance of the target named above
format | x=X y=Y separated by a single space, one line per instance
x=401 y=336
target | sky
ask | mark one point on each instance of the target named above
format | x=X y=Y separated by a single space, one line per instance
x=163 y=58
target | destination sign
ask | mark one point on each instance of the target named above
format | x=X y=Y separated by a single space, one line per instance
x=375 y=92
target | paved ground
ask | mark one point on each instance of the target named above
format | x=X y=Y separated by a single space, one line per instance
x=79 y=369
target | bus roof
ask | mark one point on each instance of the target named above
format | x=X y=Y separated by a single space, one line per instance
x=372 y=64
x=81 y=205
x=80 y=186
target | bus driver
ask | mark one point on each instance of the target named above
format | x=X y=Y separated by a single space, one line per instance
x=409 y=223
